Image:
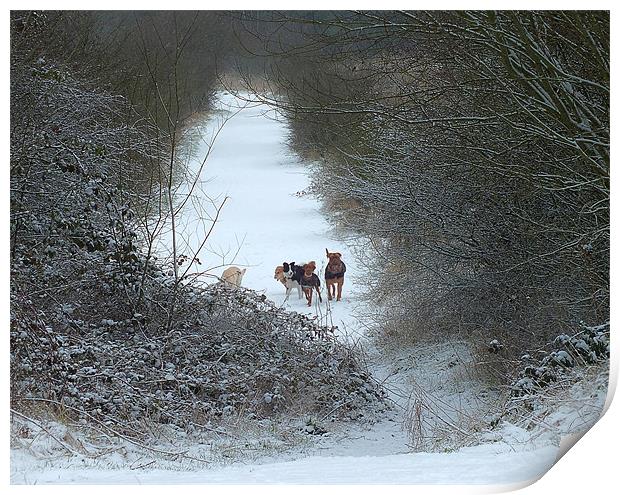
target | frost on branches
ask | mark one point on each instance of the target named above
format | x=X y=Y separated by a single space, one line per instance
x=99 y=331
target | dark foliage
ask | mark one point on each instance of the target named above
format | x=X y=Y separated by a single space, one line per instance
x=587 y=347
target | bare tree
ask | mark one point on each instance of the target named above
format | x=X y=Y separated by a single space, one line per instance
x=470 y=149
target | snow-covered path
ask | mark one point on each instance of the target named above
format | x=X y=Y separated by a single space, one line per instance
x=264 y=222
x=267 y=218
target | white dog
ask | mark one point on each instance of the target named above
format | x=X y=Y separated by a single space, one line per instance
x=291 y=284
x=286 y=278
x=232 y=276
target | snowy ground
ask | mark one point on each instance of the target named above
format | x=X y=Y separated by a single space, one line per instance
x=267 y=219
x=487 y=464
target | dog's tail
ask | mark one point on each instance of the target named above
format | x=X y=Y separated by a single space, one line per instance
x=327 y=252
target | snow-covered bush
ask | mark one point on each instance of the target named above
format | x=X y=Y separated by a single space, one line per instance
x=589 y=346
x=239 y=356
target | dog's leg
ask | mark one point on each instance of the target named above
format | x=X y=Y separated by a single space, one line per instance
x=306 y=296
x=340 y=284
x=299 y=291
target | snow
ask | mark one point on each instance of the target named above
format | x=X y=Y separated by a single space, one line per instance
x=264 y=223
x=487 y=464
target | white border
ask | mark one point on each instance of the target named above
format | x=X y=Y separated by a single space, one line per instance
x=589 y=467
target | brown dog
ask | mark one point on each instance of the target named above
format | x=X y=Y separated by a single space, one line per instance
x=334 y=275
x=310 y=281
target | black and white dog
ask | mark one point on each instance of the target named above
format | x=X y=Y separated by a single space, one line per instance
x=292 y=277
